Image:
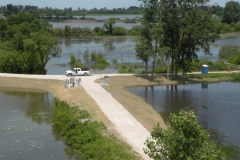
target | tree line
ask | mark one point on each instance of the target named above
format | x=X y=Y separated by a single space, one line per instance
x=26 y=44
x=108 y=28
x=176 y=30
x=49 y=12
x=10 y=8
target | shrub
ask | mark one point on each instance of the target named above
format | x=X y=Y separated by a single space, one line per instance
x=86 y=136
x=74 y=63
x=184 y=139
x=120 y=31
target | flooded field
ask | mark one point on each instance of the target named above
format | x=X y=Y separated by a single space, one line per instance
x=25 y=127
x=120 y=48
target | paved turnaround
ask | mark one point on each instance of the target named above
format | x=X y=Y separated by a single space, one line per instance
x=125 y=124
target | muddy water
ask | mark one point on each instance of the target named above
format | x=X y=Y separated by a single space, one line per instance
x=25 y=127
x=216 y=105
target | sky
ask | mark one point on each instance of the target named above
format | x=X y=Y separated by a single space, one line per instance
x=87 y=4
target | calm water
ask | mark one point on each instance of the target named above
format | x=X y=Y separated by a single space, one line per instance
x=120 y=48
x=217 y=105
x=91 y=25
x=25 y=127
x=106 y=17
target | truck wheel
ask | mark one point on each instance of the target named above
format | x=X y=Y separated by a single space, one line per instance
x=69 y=74
x=85 y=74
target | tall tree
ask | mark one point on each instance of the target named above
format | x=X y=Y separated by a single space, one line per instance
x=184 y=139
x=187 y=29
x=142 y=49
x=231 y=12
x=11 y=9
x=26 y=43
x=151 y=34
x=109 y=26
x=42 y=45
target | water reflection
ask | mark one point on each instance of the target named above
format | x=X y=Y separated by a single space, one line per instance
x=216 y=104
x=91 y=25
x=120 y=48
x=25 y=127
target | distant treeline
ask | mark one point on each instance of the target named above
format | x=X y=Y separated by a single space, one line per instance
x=10 y=8
x=69 y=12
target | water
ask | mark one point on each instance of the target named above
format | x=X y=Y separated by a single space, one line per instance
x=106 y=17
x=120 y=48
x=25 y=127
x=91 y=25
x=216 y=105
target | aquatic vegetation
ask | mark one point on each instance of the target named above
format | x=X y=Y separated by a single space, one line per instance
x=41 y=115
x=87 y=137
x=14 y=119
x=35 y=144
x=18 y=129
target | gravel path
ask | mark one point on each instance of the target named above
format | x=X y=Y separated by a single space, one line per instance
x=125 y=124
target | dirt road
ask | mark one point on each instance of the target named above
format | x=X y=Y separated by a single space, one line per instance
x=125 y=124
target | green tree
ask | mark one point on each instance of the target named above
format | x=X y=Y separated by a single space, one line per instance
x=143 y=47
x=120 y=31
x=151 y=33
x=11 y=9
x=93 y=58
x=184 y=139
x=98 y=61
x=86 y=56
x=231 y=12
x=42 y=45
x=109 y=26
x=187 y=29
x=236 y=58
x=74 y=63
x=67 y=31
x=28 y=42
x=98 y=31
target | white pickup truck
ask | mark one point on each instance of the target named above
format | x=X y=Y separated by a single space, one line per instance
x=78 y=72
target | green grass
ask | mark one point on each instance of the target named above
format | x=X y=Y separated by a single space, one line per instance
x=86 y=136
x=229 y=35
x=210 y=75
x=229 y=151
x=236 y=77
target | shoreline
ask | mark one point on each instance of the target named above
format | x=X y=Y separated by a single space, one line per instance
x=102 y=102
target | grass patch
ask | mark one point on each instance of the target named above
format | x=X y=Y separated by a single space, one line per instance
x=212 y=75
x=230 y=151
x=87 y=136
x=236 y=77
x=229 y=35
